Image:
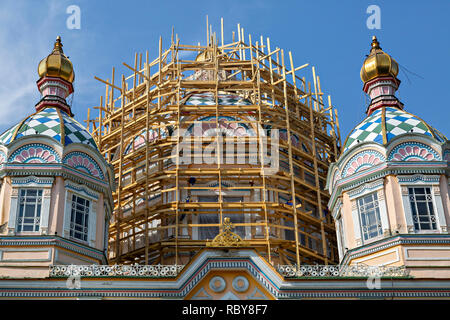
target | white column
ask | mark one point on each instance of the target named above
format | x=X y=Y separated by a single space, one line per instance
x=407 y=207
x=45 y=210
x=13 y=211
x=383 y=213
x=338 y=238
x=67 y=213
x=439 y=208
x=356 y=223
x=92 y=223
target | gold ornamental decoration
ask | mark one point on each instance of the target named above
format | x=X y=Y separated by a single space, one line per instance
x=227 y=238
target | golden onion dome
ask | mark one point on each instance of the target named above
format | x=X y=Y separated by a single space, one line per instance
x=378 y=63
x=56 y=64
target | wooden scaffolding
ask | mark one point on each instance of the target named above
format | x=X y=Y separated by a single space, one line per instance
x=166 y=210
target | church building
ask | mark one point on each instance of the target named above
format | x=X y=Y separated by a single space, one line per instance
x=109 y=211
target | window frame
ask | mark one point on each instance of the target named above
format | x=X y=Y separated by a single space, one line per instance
x=431 y=181
x=72 y=220
x=86 y=193
x=30 y=182
x=431 y=201
x=18 y=216
x=378 y=213
x=376 y=186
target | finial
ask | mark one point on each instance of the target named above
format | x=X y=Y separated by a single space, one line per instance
x=375 y=43
x=58 y=44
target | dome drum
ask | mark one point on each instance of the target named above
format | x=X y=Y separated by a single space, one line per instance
x=54 y=86
x=385 y=85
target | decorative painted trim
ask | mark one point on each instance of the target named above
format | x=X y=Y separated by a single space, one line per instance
x=217 y=287
x=81 y=189
x=202 y=127
x=366 y=188
x=418 y=178
x=399 y=168
x=407 y=239
x=336 y=177
x=201 y=295
x=248 y=260
x=240 y=284
x=32 y=181
x=61 y=170
x=362 y=161
x=336 y=209
x=83 y=162
x=134 y=270
x=296 y=292
x=35 y=153
x=413 y=151
x=358 y=270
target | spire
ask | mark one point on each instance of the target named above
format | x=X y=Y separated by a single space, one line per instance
x=58 y=45
x=56 y=77
x=375 y=44
x=379 y=74
x=56 y=64
x=378 y=63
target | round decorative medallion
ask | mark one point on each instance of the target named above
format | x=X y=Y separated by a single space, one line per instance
x=240 y=284
x=217 y=284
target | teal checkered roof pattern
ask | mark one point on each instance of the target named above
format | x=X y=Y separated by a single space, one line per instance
x=386 y=123
x=207 y=99
x=53 y=123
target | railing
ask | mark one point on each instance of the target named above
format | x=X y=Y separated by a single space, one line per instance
x=167 y=271
x=134 y=270
x=319 y=271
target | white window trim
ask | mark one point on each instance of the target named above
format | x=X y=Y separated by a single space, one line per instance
x=340 y=237
x=106 y=228
x=373 y=187
x=83 y=192
x=382 y=212
x=31 y=182
x=423 y=181
x=408 y=211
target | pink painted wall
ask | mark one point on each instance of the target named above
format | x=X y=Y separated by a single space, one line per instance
x=394 y=204
x=348 y=221
x=5 y=196
x=57 y=199
x=100 y=225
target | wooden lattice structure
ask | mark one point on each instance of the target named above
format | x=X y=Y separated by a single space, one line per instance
x=166 y=211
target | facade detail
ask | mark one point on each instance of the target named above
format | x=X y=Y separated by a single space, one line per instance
x=391 y=201
x=55 y=184
x=231 y=132
x=217 y=172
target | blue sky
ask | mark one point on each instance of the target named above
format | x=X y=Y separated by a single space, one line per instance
x=331 y=35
